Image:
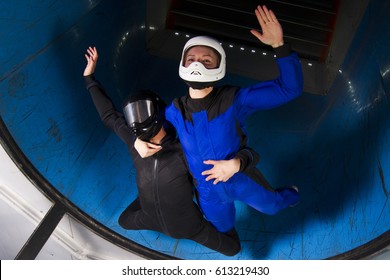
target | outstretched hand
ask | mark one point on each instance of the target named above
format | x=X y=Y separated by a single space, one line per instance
x=92 y=57
x=272 y=32
x=222 y=170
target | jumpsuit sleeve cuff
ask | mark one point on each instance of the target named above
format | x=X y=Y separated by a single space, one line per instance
x=283 y=51
x=90 y=81
x=248 y=158
x=245 y=158
x=242 y=165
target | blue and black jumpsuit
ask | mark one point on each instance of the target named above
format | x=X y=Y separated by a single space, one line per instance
x=212 y=128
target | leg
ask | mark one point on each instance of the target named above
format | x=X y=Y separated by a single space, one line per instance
x=264 y=200
x=258 y=177
x=221 y=214
x=128 y=218
x=224 y=243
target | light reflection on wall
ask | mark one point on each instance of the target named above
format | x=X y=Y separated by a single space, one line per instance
x=362 y=96
x=240 y=48
x=125 y=38
x=120 y=45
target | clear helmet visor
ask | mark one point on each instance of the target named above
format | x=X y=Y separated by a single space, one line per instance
x=138 y=111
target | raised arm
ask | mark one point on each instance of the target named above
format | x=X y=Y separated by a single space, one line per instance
x=284 y=88
x=111 y=118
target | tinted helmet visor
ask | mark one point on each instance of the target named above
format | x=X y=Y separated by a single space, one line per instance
x=144 y=113
x=138 y=111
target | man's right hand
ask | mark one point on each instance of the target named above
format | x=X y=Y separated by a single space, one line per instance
x=146 y=149
x=92 y=57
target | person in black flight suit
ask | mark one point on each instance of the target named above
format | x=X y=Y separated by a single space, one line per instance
x=165 y=187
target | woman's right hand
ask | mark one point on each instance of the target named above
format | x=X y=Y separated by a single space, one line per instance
x=146 y=149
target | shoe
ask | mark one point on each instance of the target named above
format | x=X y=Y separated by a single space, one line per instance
x=297 y=190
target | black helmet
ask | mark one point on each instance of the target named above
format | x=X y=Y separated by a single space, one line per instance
x=144 y=113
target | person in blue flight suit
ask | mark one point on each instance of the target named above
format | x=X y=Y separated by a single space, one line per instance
x=209 y=121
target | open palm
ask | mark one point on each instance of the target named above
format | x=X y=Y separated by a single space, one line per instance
x=272 y=32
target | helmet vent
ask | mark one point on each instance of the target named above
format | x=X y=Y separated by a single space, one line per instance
x=196 y=73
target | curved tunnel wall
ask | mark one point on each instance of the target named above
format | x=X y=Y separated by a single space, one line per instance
x=335 y=147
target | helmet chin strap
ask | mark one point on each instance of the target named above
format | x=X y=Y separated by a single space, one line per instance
x=200 y=85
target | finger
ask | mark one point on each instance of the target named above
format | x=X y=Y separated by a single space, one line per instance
x=150 y=145
x=273 y=16
x=266 y=12
x=208 y=178
x=95 y=52
x=262 y=13
x=90 y=53
x=209 y=162
x=259 y=17
x=207 y=172
x=257 y=34
x=215 y=181
x=154 y=146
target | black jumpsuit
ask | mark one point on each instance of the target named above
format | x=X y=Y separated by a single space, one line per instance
x=165 y=186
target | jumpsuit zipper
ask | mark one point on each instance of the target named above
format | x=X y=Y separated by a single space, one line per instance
x=156 y=196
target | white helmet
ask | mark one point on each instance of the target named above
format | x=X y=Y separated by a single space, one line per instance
x=196 y=71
